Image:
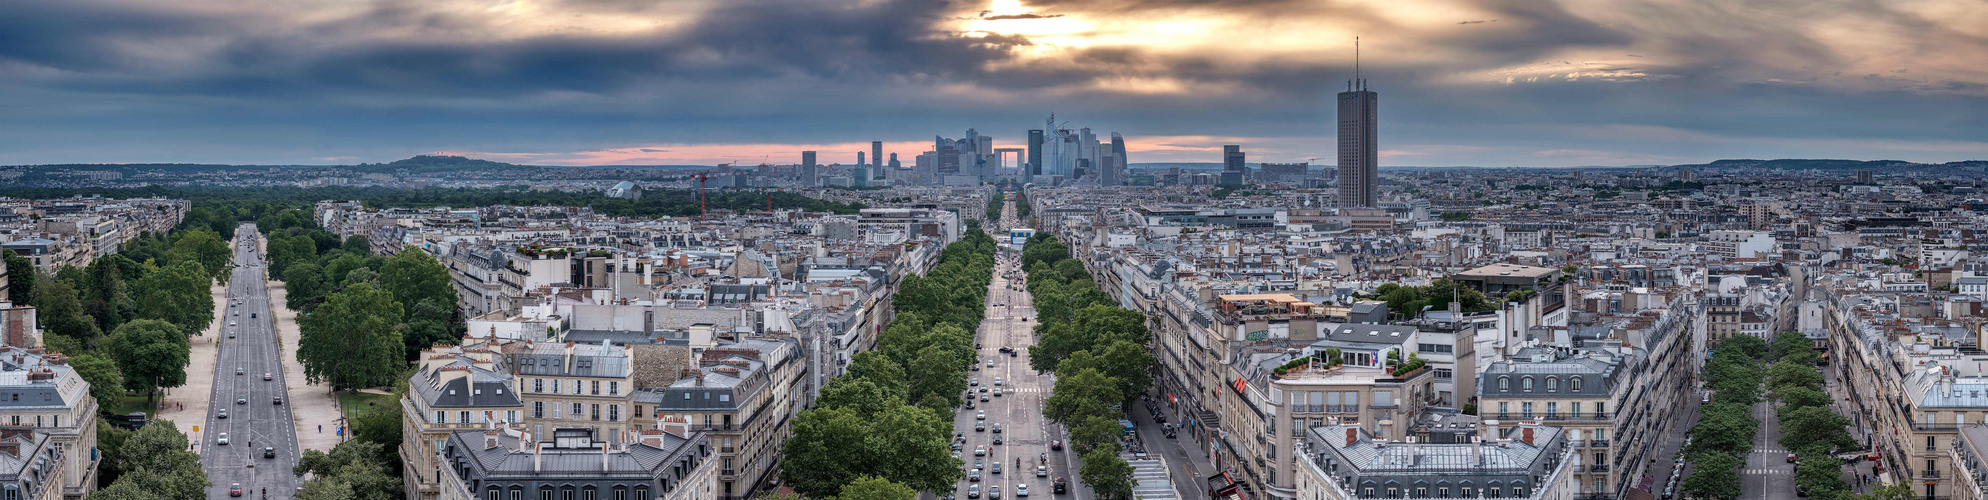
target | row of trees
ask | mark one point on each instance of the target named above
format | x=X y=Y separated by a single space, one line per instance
x=1726 y=426
x=151 y=463
x=882 y=430
x=1097 y=351
x=1808 y=425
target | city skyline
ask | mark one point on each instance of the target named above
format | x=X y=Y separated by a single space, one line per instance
x=1470 y=82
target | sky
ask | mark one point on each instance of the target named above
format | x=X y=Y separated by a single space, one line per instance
x=637 y=82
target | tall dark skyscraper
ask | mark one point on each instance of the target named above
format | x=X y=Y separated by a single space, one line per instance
x=1115 y=172
x=877 y=152
x=1233 y=171
x=1035 y=156
x=808 y=168
x=1359 y=152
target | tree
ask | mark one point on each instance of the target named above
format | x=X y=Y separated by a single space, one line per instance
x=1095 y=431
x=1819 y=473
x=876 y=488
x=381 y=426
x=151 y=354
x=205 y=247
x=413 y=276
x=829 y=449
x=352 y=470
x=177 y=293
x=912 y=445
x=1789 y=373
x=861 y=396
x=303 y=286
x=1807 y=425
x=1798 y=396
x=110 y=443
x=357 y=244
x=337 y=269
x=1713 y=476
x=1790 y=343
x=934 y=373
x=1900 y=491
x=352 y=340
x=1108 y=476
x=156 y=463
x=1724 y=428
x=106 y=384
x=21 y=282
x=428 y=325
x=1749 y=345
x=879 y=369
x=61 y=312
x=1080 y=395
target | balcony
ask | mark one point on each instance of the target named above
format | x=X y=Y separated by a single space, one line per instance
x=1598 y=468
x=724 y=449
x=1598 y=443
x=1555 y=416
x=1936 y=427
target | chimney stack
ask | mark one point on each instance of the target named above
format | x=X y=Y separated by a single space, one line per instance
x=489 y=439
x=1527 y=435
x=538 y=457
x=1352 y=435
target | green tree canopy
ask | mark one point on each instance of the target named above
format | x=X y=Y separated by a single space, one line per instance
x=151 y=354
x=21 y=278
x=1713 y=476
x=61 y=311
x=1109 y=476
x=156 y=463
x=353 y=340
x=876 y=488
x=106 y=383
x=178 y=293
x=352 y=470
x=1081 y=394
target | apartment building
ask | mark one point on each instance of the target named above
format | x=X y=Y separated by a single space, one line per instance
x=1342 y=462
x=571 y=464
x=743 y=397
x=53 y=399
x=574 y=385
x=456 y=388
x=33 y=465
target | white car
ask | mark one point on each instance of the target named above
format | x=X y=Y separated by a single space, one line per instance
x=221 y=439
x=997 y=381
x=1021 y=490
x=980 y=415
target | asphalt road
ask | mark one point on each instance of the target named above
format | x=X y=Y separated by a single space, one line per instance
x=256 y=422
x=1025 y=433
x=1768 y=475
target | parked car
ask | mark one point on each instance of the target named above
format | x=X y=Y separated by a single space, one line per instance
x=973 y=476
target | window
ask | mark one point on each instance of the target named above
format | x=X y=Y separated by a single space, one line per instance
x=588 y=493
x=1601 y=409
x=579 y=412
x=494 y=493
x=614 y=389
x=596 y=389
x=555 y=386
x=538 y=385
x=517 y=493
x=614 y=413
x=620 y=493
x=1930 y=446
x=1504 y=384
x=1574 y=384
x=1552 y=384
x=510 y=415
x=1504 y=408
x=538 y=409
x=1552 y=409
x=641 y=493
x=463 y=416
x=1525 y=384
x=566 y=493
x=545 y=493
x=596 y=411
x=1525 y=409
x=1445 y=374
x=441 y=417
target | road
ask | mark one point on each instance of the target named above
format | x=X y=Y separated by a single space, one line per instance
x=1768 y=475
x=255 y=421
x=1025 y=433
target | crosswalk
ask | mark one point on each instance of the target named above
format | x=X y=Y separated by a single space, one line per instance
x=1771 y=451
x=1153 y=481
x=1765 y=472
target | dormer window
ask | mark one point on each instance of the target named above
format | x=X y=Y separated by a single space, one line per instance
x=1504 y=384
x=1552 y=384
x=1525 y=384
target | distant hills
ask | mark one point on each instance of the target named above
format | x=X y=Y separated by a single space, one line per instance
x=1845 y=165
x=437 y=163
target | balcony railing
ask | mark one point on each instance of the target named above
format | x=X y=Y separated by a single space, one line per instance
x=1555 y=416
x=1935 y=427
x=1598 y=443
x=1598 y=468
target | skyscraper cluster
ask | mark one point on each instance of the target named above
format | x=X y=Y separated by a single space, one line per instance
x=1075 y=155
x=965 y=161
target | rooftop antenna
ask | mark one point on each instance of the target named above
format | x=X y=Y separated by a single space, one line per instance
x=1356 y=63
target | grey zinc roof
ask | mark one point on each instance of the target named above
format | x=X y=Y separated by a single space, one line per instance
x=1365 y=456
x=1371 y=334
x=481 y=389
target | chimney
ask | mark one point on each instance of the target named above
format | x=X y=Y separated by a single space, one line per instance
x=489 y=439
x=1527 y=435
x=1491 y=429
x=1380 y=443
x=1352 y=435
x=1476 y=451
x=538 y=457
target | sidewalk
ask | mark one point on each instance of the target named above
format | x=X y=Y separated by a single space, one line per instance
x=186 y=405
x=1657 y=472
x=1184 y=465
x=1838 y=402
x=315 y=405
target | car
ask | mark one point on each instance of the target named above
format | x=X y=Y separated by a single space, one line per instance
x=1056 y=444
x=268 y=376
x=994 y=492
x=983 y=398
x=996 y=469
x=239 y=370
x=979 y=426
x=1707 y=398
x=1791 y=458
x=969 y=403
x=1012 y=354
x=973 y=382
x=980 y=415
x=997 y=392
x=1021 y=490
x=241 y=400
x=235 y=489
x=973 y=476
x=979 y=463
x=997 y=439
x=973 y=491
x=1058 y=487
x=268 y=452
x=252 y=315
x=990 y=363
x=221 y=439
x=976 y=367
x=276 y=400
x=231 y=322
x=997 y=381
x=231 y=334
x=238 y=313
x=997 y=428
x=983 y=389
x=979 y=451
x=1041 y=471
x=223 y=413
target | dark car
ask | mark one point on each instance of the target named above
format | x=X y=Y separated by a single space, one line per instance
x=268 y=452
x=1056 y=444
x=278 y=400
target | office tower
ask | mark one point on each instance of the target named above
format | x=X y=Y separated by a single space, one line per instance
x=860 y=177
x=894 y=165
x=1034 y=166
x=808 y=168
x=1864 y=177
x=859 y=158
x=876 y=154
x=1117 y=170
x=1112 y=170
x=1233 y=171
x=1359 y=158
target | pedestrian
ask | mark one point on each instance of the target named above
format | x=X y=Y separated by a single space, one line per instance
x=320 y=428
